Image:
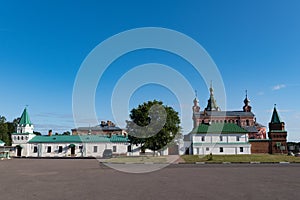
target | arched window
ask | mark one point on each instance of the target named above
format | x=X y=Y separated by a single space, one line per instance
x=225 y=121
x=18 y=137
x=22 y=138
x=247 y=122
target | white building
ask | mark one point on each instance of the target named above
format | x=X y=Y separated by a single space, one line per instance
x=27 y=144
x=218 y=139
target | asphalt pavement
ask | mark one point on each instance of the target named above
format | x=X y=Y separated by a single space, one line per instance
x=60 y=179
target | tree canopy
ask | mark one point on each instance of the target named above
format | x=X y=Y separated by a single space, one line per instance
x=153 y=127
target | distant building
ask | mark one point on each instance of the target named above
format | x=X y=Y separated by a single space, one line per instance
x=239 y=127
x=2 y=143
x=105 y=128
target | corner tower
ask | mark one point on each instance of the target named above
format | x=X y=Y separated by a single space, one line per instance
x=277 y=134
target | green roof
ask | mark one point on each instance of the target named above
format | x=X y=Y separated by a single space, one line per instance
x=23 y=134
x=223 y=128
x=77 y=139
x=275 y=117
x=25 y=118
x=1 y=142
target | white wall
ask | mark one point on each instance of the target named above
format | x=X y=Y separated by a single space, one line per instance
x=231 y=144
x=86 y=151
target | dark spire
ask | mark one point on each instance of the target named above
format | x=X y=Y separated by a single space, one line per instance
x=247 y=107
x=275 y=117
x=212 y=104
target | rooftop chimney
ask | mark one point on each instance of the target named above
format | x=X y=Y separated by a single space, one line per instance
x=50 y=133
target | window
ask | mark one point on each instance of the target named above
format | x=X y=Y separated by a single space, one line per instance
x=35 y=149
x=22 y=138
x=114 y=148
x=18 y=137
x=95 y=149
x=247 y=123
x=60 y=149
x=241 y=149
x=207 y=148
x=221 y=149
x=202 y=138
x=225 y=121
x=198 y=151
x=15 y=138
x=49 y=149
x=237 y=138
x=221 y=138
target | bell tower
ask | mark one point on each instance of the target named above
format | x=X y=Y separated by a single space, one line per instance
x=196 y=111
x=277 y=134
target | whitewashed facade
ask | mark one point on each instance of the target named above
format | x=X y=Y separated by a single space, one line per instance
x=218 y=139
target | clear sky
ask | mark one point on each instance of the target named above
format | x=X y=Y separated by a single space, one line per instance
x=255 y=45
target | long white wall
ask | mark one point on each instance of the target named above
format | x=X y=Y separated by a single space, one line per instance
x=81 y=149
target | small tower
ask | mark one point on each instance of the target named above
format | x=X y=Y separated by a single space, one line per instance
x=196 y=110
x=277 y=134
x=247 y=107
x=212 y=103
x=25 y=125
x=23 y=135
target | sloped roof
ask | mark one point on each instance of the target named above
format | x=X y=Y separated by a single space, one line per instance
x=275 y=117
x=98 y=128
x=25 y=118
x=251 y=129
x=223 y=128
x=1 y=142
x=226 y=113
x=77 y=139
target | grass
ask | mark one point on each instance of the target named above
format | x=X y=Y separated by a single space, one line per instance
x=136 y=159
x=268 y=158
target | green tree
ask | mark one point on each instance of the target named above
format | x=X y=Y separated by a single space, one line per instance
x=4 y=136
x=138 y=127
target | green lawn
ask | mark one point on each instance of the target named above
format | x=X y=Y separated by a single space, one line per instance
x=241 y=158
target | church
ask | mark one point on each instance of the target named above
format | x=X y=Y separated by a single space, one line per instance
x=233 y=132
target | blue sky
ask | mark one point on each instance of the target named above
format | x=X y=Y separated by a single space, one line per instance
x=255 y=45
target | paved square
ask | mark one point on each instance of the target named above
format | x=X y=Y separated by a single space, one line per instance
x=87 y=179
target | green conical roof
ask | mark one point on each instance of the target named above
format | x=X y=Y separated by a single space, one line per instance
x=275 y=117
x=25 y=118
